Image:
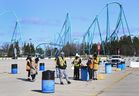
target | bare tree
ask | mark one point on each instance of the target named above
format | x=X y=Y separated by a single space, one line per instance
x=4 y=49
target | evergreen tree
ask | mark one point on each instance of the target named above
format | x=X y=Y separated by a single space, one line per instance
x=11 y=51
x=28 y=49
x=136 y=44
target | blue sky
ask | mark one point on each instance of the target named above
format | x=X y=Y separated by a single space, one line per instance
x=41 y=20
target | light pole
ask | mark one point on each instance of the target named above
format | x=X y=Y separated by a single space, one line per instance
x=30 y=46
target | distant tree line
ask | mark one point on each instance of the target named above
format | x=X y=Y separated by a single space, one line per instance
x=126 y=46
x=8 y=50
x=123 y=46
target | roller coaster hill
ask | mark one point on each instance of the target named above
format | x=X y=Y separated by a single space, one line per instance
x=108 y=34
x=112 y=18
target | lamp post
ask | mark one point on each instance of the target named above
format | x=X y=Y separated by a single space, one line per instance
x=30 y=46
x=98 y=48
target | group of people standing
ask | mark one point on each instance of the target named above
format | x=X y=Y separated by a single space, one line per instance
x=61 y=65
x=92 y=66
x=32 y=67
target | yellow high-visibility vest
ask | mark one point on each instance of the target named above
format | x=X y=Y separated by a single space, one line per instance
x=95 y=63
x=28 y=66
x=62 y=61
x=76 y=62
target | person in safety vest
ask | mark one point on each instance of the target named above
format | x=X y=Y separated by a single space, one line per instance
x=76 y=62
x=90 y=67
x=95 y=66
x=29 y=60
x=33 y=69
x=62 y=65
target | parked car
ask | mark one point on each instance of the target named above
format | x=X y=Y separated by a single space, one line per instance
x=115 y=59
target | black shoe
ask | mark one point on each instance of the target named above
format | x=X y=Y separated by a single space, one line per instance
x=62 y=83
x=69 y=82
x=28 y=79
x=75 y=78
x=33 y=80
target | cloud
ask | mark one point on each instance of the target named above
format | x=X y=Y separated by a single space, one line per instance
x=39 y=21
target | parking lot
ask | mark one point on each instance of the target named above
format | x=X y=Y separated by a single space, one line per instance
x=118 y=83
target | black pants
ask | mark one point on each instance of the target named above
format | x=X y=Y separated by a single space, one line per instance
x=76 y=73
x=28 y=73
x=90 y=73
x=33 y=76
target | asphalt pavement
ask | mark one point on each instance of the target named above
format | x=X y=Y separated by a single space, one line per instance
x=118 y=83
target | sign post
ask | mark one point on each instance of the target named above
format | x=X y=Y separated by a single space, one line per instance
x=98 y=48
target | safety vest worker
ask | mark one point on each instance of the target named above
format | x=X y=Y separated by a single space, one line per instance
x=96 y=63
x=90 y=62
x=90 y=66
x=95 y=66
x=61 y=62
x=76 y=62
